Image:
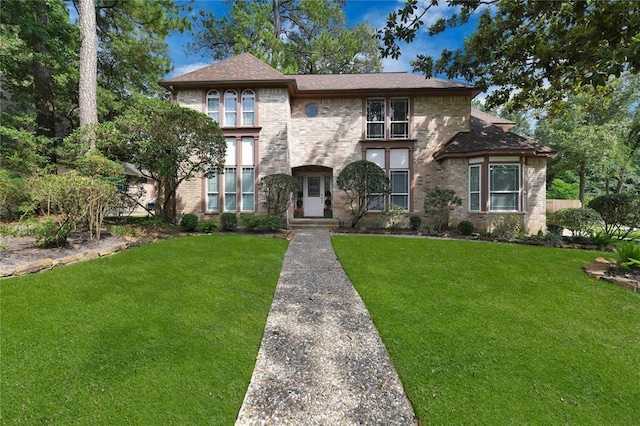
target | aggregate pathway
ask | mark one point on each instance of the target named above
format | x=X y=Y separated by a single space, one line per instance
x=321 y=361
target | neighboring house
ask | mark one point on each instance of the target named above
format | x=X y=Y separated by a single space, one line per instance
x=422 y=132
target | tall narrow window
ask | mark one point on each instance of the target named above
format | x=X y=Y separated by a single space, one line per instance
x=399 y=178
x=376 y=155
x=213 y=193
x=375 y=119
x=248 y=174
x=213 y=105
x=248 y=108
x=230 y=108
x=230 y=189
x=474 y=188
x=399 y=118
x=504 y=187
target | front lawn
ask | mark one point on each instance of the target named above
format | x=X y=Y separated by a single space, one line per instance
x=486 y=333
x=166 y=333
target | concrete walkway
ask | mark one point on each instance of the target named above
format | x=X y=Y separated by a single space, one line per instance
x=321 y=361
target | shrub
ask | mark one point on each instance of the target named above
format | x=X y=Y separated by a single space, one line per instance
x=507 y=226
x=600 y=238
x=391 y=218
x=123 y=230
x=561 y=190
x=465 y=227
x=628 y=254
x=277 y=191
x=415 y=222
x=620 y=213
x=209 y=226
x=228 y=221
x=580 y=221
x=12 y=193
x=439 y=203
x=362 y=181
x=255 y=223
x=555 y=229
x=189 y=222
x=53 y=234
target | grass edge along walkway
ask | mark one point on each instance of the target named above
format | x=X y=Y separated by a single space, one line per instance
x=163 y=333
x=486 y=333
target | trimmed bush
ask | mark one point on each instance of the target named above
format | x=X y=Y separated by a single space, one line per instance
x=415 y=222
x=277 y=191
x=189 y=222
x=209 y=226
x=438 y=203
x=580 y=221
x=228 y=221
x=52 y=234
x=466 y=228
x=255 y=223
x=555 y=229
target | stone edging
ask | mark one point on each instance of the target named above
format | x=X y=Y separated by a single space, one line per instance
x=44 y=264
x=598 y=268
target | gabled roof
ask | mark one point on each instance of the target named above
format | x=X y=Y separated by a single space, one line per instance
x=244 y=68
x=498 y=121
x=371 y=82
x=487 y=138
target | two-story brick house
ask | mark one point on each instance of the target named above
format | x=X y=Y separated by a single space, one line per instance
x=422 y=132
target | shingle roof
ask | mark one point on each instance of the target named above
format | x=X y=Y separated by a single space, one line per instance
x=244 y=67
x=487 y=138
x=247 y=69
x=491 y=118
x=369 y=82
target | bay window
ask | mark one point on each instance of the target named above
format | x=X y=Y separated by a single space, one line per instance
x=504 y=187
x=474 y=187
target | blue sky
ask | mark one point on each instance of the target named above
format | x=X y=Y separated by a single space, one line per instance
x=374 y=12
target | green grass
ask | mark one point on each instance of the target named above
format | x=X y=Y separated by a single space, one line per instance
x=486 y=333
x=166 y=333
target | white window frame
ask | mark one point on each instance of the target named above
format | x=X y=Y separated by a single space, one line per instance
x=247 y=95
x=517 y=191
x=213 y=193
x=376 y=120
x=228 y=112
x=399 y=194
x=392 y=120
x=214 y=114
x=477 y=192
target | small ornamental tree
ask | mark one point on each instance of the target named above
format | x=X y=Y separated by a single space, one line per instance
x=438 y=203
x=580 y=221
x=620 y=213
x=363 y=181
x=277 y=192
x=167 y=143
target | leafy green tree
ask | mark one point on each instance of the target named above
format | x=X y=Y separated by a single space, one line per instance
x=438 y=203
x=561 y=190
x=167 y=143
x=293 y=36
x=277 y=192
x=364 y=182
x=534 y=51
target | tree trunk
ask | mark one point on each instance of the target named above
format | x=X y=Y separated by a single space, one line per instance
x=88 y=100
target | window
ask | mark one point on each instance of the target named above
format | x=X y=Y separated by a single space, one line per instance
x=230 y=108
x=213 y=105
x=237 y=181
x=398 y=171
x=213 y=193
x=393 y=124
x=504 y=187
x=399 y=117
x=474 y=187
x=375 y=119
x=248 y=108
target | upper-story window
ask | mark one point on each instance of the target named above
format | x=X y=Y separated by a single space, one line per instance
x=248 y=108
x=213 y=105
x=387 y=118
x=230 y=108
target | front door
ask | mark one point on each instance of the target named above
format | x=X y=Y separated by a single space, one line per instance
x=313 y=200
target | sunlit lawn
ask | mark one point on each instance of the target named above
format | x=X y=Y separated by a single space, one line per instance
x=486 y=333
x=162 y=334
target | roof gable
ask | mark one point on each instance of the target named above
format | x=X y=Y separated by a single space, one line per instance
x=244 y=67
x=371 y=82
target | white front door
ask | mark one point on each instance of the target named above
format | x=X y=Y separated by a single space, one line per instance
x=313 y=197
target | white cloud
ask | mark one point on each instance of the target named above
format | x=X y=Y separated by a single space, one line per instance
x=186 y=68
